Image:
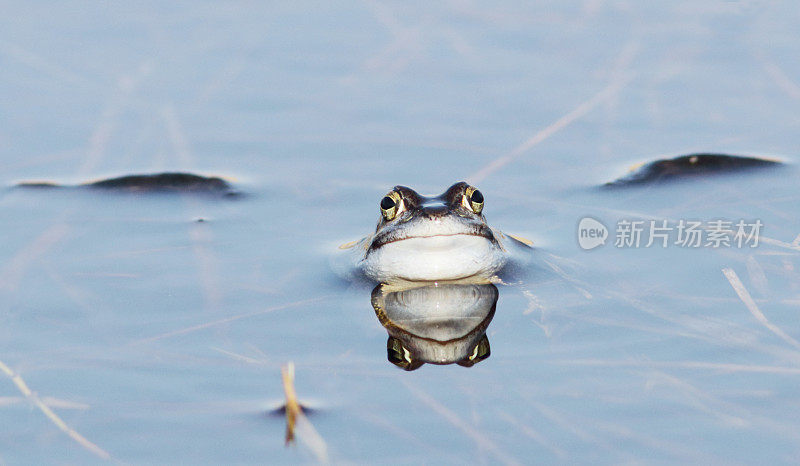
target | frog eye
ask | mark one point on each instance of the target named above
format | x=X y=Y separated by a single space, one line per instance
x=398 y=355
x=474 y=199
x=390 y=205
x=479 y=353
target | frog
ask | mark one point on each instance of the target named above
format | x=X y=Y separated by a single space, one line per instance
x=444 y=238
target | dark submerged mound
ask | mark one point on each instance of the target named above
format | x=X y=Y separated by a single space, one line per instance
x=164 y=182
x=689 y=166
x=154 y=183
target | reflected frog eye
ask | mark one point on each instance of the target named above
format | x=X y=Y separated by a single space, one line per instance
x=474 y=199
x=390 y=205
x=398 y=355
x=479 y=353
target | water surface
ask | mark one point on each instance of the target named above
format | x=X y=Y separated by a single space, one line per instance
x=160 y=338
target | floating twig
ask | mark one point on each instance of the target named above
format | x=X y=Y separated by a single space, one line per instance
x=292 y=407
x=297 y=424
x=738 y=286
x=53 y=417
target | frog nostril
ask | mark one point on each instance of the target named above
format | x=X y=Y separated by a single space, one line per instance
x=435 y=212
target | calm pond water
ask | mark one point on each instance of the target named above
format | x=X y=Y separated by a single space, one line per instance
x=159 y=338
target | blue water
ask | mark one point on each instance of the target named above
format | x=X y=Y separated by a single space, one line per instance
x=160 y=339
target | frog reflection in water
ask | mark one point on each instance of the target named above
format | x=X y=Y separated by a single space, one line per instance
x=436 y=324
x=443 y=238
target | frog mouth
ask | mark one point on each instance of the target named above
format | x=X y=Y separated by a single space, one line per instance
x=381 y=240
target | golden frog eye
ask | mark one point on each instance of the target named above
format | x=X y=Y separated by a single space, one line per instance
x=479 y=353
x=474 y=199
x=390 y=205
x=398 y=355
